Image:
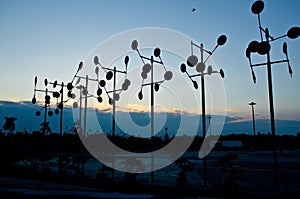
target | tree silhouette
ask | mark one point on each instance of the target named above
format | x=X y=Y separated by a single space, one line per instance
x=9 y=125
x=46 y=127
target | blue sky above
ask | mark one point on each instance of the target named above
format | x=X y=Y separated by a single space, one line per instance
x=49 y=39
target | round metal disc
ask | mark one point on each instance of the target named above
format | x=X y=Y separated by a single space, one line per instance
x=168 y=75
x=192 y=61
x=200 y=67
x=134 y=45
x=257 y=7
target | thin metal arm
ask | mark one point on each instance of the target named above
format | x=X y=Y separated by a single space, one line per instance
x=118 y=71
x=209 y=52
x=200 y=74
x=154 y=61
x=91 y=79
x=158 y=82
x=271 y=62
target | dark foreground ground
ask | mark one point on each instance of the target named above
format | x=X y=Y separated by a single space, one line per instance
x=255 y=180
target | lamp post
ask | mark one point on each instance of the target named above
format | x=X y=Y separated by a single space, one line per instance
x=263 y=48
x=209 y=118
x=252 y=104
x=154 y=86
x=200 y=68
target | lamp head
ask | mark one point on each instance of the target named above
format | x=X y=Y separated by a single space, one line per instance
x=252 y=103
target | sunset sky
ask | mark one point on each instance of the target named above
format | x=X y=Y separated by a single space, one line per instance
x=49 y=38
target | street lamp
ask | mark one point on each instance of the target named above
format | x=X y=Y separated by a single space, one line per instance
x=200 y=68
x=154 y=86
x=209 y=118
x=263 y=48
x=252 y=104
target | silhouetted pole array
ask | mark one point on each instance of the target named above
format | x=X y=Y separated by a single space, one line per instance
x=263 y=48
x=60 y=104
x=83 y=92
x=48 y=112
x=200 y=68
x=153 y=85
x=112 y=72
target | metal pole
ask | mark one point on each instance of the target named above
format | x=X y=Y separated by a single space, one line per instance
x=80 y=112
x=114 y=121
x=253 y=120
x=203 y=118
x=272 y=114
x=44 y=130
x=152 y=119
x=45 y=115
x=209 y=118
x=85 y=105
x=60 y=128
x=253 y=124
x=114 y=105
x=61 y=110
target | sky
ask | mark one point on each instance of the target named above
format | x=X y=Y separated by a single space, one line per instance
x=49 y=38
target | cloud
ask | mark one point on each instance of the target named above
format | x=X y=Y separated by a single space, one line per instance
x=231 y=110
x=25 y=112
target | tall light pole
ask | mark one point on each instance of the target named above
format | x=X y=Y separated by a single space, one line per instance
x=263 y=48
x=209 y=118
x=252 y=104
x=154 y=86
x=200 y=68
